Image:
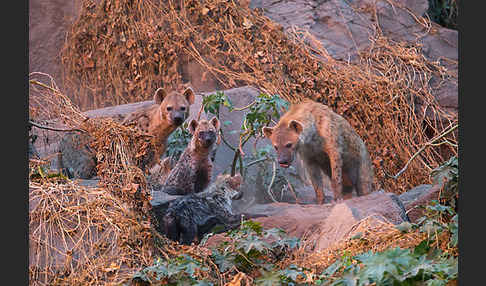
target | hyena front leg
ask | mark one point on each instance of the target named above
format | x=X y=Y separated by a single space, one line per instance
x=188 y=231
x=336 y=174
x=315 y=174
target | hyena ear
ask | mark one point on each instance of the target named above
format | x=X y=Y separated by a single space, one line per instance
x=267 y=131
x=235 y=181
x=159 y=95
x=189 y=95
x=296 y=126
x=215 y=122
x=192 y=126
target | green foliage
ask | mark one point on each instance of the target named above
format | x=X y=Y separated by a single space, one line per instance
x=443 y=12
x=181 y=270
x=261 y=112
x=439 y=218
x=448 y=174
x=391 y=267
x=425 y=264
x=249 y=249
x=177 y=142
x=264 y=109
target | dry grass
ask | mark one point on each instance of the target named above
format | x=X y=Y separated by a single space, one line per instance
x=120 y=51
x=375 y=234
x=89 y=236
x=83 y=236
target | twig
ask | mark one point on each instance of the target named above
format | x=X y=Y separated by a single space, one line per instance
x=292 y=190
x=55 y=129
x=430 y=143
x=269 y=190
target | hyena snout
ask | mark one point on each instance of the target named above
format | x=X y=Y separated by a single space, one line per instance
x=178 y=117
x=284 y=159
x=207 y=138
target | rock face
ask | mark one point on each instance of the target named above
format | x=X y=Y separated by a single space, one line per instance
x=344 y=27
x=327 y=223
x=48 y=23
x=77 y=159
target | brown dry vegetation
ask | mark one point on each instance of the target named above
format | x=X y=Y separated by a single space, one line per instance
x=120 y=51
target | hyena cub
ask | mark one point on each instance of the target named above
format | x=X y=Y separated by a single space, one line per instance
x=162 y=118
x=192 y=172
x=194 y=215
x=327 y=144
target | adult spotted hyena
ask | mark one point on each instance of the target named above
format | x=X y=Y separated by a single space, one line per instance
x=327 y=144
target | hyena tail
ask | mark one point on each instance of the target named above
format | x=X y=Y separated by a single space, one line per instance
x=170 y=227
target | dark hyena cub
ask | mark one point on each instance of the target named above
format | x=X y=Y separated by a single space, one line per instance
x=195 y=215
x=192 y=172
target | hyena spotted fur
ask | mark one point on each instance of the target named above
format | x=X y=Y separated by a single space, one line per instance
x=169 y=111
x=190 y=217
x=193 y=171
x=327 y=144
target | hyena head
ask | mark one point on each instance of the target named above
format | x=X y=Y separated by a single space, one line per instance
x=227 y=187
x=174 y=107
x=284 y=137
x=204 y=132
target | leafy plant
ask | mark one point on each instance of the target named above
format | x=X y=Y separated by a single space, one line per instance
x=249 y=248
x=181 y=270
x=261 y=112
x=448 y=175
x=444 y=12
x=391 y=267
x=177 y=142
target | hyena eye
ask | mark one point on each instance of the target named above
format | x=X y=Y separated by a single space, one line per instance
x=169 y=108
x=183 y=108
x=288 y=145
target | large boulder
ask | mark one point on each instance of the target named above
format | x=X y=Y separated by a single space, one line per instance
x=327 y=223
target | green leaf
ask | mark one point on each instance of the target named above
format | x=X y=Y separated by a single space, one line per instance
x=454 y=229
x=252 y=242
x=269 y=278
x=422 y=248
x=357 y=236
x=293 y=272
x=436 y=282
x=331 y=269
x=224 y=262
x=404 y=226
x=203 y=283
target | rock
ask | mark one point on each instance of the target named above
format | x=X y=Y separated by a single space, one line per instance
x=48 y=23
x=419 y=196
x=77 y=159
x=327 y=223
x=345 y=27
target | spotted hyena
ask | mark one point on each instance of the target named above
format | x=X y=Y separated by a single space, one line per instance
x=192 y=216
x=162 y=118
x=327 y=144
x=192 y=172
